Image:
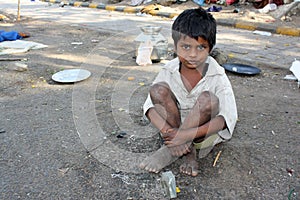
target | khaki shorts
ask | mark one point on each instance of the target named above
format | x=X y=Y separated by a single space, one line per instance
x=207 y=145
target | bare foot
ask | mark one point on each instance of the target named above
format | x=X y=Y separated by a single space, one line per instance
x=160 y=159
x=190 y=166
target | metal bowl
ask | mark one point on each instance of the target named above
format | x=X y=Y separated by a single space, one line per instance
x=151 y=29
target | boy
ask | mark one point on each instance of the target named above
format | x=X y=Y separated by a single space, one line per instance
x=191 y=100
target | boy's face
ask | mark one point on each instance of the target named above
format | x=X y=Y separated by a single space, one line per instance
x=192 y=53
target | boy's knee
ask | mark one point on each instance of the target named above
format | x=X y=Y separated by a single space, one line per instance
x=208 y=102
x=159 y=90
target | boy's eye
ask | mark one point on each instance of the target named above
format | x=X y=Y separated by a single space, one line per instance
x=186 y=47
x=201 y=47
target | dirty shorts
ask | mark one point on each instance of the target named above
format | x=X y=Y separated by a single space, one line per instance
x=207 y=144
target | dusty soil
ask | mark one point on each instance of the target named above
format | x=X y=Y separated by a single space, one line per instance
x=42 y=155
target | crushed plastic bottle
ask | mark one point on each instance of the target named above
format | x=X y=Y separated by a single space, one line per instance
x=169 y=184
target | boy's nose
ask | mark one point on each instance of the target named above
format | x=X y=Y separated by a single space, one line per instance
x=193 y=52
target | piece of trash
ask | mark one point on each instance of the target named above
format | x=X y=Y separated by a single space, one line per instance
x=290 y=171
x=199 y=2
x=62 y=4
x=121 y=109
x=169 y=184
x=273 y=132
x=265 y=33
x=132 y=137
x=269 y=7
x=95 y=41
x=64 y=170
x=2 y=131
x=290 y=77
x=121 y=134
x=144 y=53
x=295 y=68
x=236 y=10
x=294 y=192
x=214 y=9
x=123 y=177
x=130 y=78
x=141 y=83
x=178 y=190
x=217 y=158
x=20 y=67
x=76 y=43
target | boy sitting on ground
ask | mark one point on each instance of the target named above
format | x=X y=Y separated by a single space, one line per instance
x=191 y=100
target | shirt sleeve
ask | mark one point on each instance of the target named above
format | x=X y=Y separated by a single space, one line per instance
x=147 y=105
x=227 y=109
x=159 y=78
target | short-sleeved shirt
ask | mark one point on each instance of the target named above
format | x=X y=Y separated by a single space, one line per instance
x=215 y=81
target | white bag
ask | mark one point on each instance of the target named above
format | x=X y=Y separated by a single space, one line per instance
x=144 y=53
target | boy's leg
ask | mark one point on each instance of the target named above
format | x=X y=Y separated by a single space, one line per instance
x=165 y=105
x=164 y=115
x=205 y=108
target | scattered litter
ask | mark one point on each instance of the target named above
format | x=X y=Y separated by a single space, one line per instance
x=290 y=77
x=290 y=171
x=141 y=83
x=199 y=2
x=20 y=67
x=132 y=138
x=269 y=7
x=214 y=9
x=130 y=78
x=121 y=134
x=13 y=59
x=123 y=177
x=64 y=170
x=236 y=10
x=121 y=109
x=293 y=194
x=273 y=132
x=169 y=184
x=178 y=190
x=217 y=158
x=19 y=46
x=265 y=33
x=144 y=53
x=95 y=41
x=77 y=43
x=62 y=4
x=295 y=68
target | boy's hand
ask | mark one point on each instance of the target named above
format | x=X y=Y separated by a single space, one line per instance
x=180 y=150
x=174 y=137
x=169 y=134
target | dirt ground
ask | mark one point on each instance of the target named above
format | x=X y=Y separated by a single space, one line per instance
x=43 y=157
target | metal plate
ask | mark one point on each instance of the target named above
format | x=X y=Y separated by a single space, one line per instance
x=241 y=68
x=71 y=75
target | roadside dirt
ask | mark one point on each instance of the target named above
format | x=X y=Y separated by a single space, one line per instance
x=241 y=11
x=43 y=157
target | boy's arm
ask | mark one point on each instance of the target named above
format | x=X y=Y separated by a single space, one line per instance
x=188 y=135
x=157 y=120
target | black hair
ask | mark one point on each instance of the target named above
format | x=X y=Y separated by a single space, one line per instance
x=195 y=23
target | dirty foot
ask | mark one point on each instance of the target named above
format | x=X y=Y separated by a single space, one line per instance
x=190 y=165
x=160 y=159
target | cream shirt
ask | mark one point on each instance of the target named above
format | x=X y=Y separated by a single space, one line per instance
x=215 y=81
